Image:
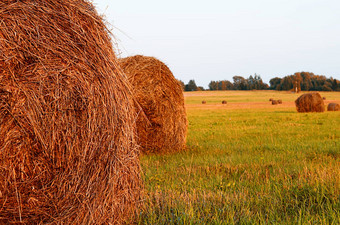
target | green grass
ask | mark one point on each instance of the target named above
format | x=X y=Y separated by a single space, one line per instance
x=255 y=165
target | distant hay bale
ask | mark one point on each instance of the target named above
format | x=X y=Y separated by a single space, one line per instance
x=164 y=126
x=68 y=153
x=275 y=102
x=333 y=107
x=204 y=102
x=324 y=98
x=271 y=99
x=224 y=102
x=279 y=101
x=310 y=102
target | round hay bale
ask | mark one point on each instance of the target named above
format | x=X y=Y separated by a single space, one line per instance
x=204 y=102
x=67 y=134
x=271 y=99
x=310 y=102
x=333 y=107
x=279 y=101
x=324 y=98
x=163 y=127
x=275 y=102
x=224 y=102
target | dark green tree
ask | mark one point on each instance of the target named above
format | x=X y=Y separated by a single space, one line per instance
x=191 y=86
x=251 y=83
x=213 y=85
x=275 y=83
x=287 y=83
x=306 y=83
x=240 y=83
x=335 y=85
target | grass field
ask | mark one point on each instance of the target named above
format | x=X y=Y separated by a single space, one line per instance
x=248 y=162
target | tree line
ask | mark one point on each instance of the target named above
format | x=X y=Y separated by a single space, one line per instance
x=305 y=81
x=300 y=81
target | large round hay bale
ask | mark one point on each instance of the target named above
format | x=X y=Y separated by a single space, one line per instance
x=68 y=153
x=310 y=102
x=333 y=107
x=162 y=127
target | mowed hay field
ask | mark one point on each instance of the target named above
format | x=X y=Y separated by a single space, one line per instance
x=248 y=162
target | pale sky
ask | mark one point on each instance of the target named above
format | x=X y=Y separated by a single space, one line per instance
x=218 y=39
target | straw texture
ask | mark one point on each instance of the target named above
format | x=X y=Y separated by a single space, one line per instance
x=68 y=153
x=164 y=126
x=333 y=107
x=310 y=102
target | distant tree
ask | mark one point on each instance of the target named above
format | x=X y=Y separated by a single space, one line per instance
x=250 y=83
x=213 y=85
x=275 y=83
x=182 y=84
x=260 y=84
x=318 y=82
x=228 y=85
x=221 y=85
x=239 y=83
x=287 y=83
x=191 y=86
x=335 y=85
x=306 y=83
x=297 y=82
x=255 y=82
x=302 y=81
x=200 y=88
x=266 y=86
x=327 y=86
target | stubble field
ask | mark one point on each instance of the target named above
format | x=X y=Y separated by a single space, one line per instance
x=248 y=162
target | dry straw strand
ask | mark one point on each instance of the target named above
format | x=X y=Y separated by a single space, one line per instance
x=164 y=126
x=310 y=102
x=67 y=131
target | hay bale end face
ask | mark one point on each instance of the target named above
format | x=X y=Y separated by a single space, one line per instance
x=275 y=102
x=68 y=151
x=162 y=125
x=224 y=102
x=333 y=107
x=310 y=102
x=204 y=102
